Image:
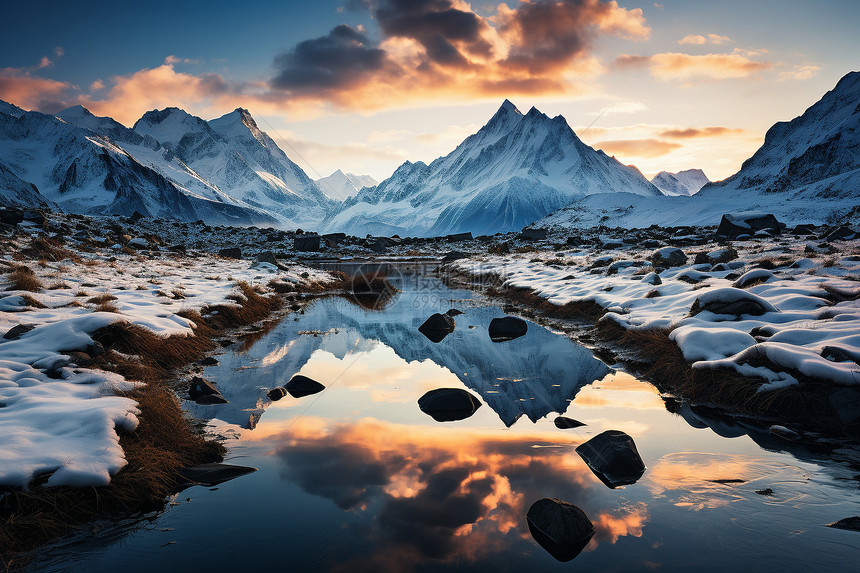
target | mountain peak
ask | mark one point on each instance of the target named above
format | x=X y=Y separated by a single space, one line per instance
x=75 y=111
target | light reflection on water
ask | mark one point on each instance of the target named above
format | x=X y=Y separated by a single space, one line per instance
x=357 y=478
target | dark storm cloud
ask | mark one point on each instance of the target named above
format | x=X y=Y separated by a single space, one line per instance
x=337 y=60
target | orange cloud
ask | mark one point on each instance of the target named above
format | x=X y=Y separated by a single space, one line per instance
x=692 y=132
x=698 y=39
x=677 y=66
x=31 y=92
x=800 y=72
x=637 y=147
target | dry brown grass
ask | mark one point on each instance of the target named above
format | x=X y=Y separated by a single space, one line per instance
x=32 y=302
x=250 y=307
x=101 y=298
x=23 y=278
x=585 y=310
x=49 y=249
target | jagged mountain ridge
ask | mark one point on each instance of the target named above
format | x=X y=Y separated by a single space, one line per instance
x=514 y=170
x=82 y=163
x=807 y=171
x=686 y=182
x=233 y=154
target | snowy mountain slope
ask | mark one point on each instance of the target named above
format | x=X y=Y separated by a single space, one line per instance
x=147 y=151
x=84 y=172
x=232 y=154
x=807 y=171
x=341 y=186
x=15 y=192
x=681 y=183
x=514 y=170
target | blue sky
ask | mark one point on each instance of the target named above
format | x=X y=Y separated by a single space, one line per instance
x=367 y=84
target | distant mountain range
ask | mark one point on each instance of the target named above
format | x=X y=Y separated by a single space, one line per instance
x=515 y=169
x=682 y=183
x=341 y=186
x=518 y=169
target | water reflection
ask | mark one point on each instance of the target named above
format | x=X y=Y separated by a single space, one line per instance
x=443 y=496
x=534 y=375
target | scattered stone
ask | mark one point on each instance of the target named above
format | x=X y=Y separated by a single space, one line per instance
x=231 y=253
x=754 y=276
x=843 y=233
x=437 y=327
x=453 y=256
x=613 y=457
x=668 y=257
x=561 y=528
x=533 y=234
x=203 y=392
x=300 y=386
x=137 y=216
x=785 y=433
x=276 y=394
x=267 y=257
x=725 y=481
x=209 y=361
x=457 y=237
x=213 y=474
x=454 y=312
x=652 y=279
x=306 y=243
x=849 y=523
x=564 y=423
x=18 y=331
x=448 y=404
x=765 y=491
x=738 y=225
x=507 y=328
x=138 y=243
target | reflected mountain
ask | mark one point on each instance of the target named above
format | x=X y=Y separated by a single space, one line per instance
x=533 y=375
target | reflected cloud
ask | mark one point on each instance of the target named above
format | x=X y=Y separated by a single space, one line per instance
x=437 y=495
x=619 y=390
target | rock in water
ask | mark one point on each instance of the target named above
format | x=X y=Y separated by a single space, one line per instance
x=448 y=404
x=437 y=327
x=559 y=527
x=300 y=386
x=507 y=328
x=850 y=523
x=613 y=457
x=276 y=394
x=564 y=423
x=203 y=392
x=213 y=474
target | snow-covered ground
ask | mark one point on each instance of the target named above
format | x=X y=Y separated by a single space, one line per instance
x=59 y=419
x=798 y=319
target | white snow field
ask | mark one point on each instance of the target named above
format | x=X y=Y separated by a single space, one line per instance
x=800 y=318
x=59 y=420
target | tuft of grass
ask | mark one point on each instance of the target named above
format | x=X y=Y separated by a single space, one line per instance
x=251 y=307
x=584 y=310
x=101 y=298
x=32 y=302
x=23 y=278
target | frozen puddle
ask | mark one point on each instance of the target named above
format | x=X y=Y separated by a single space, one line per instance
x=357 y=477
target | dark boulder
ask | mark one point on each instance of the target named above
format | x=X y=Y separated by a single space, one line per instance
x=613 y=457
x=668 y=257
x=731 y=301
x=564 y=423
x=843 y=233
x=448 y=404
x=276 y=394
x=231 y=253
x=457 y=237
x=18 y=331
x=734 y=225
x=507 y=328
x=267 y=257
x=203 y=392
x=209 y=361
x=306 y=243
x=437 y=327
x=561 y=528
x=136 y=216
x=454 y=312
x=453 y=256
x=300 y=386
x=849 y=523
x=533 y=234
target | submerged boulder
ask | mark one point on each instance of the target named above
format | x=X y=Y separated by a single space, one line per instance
x=203 y=392
x=507 y=328
x=564 y=423
x=561 y=528
x=300 y=386
x=448 y=404
x=213 y=473
x=437 y=327
x=276 y=394
x=613 y=457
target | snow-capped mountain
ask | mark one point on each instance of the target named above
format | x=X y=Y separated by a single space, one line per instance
x=514 y=170
x=807 y=171
x=681 y=183
x=341 y=186
x=235 y=156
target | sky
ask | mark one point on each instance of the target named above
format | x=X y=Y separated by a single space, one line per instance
x=364 y=85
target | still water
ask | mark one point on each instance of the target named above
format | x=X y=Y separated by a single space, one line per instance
x=357 y=478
